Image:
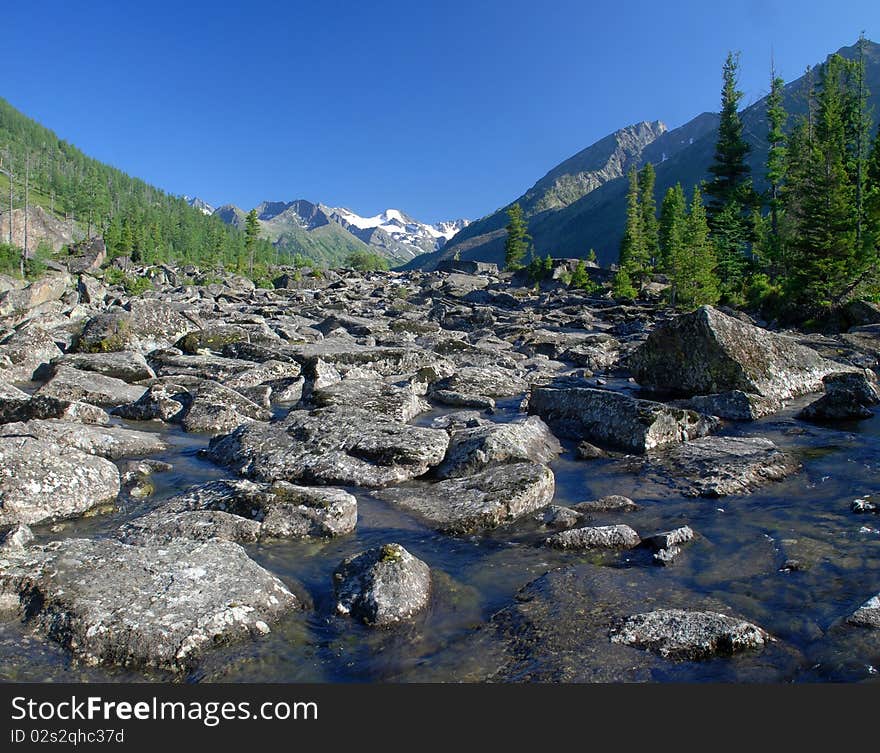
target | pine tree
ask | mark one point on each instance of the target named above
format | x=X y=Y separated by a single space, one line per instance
x=633 y=253
x=650 y=226
x=518 y=239
x=731 y=196
x=872 y=202
x=579 y=278
x=673 y=213
x=251 y=233
x=777 y=117
x=622 y=286
x=697 y=282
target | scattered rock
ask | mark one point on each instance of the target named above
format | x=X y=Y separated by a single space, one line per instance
x=73 y=384
x=847 y=395
x=596 y=537
x=383 y=586
x=111 y=442
x=867 y=615
x=734 y=405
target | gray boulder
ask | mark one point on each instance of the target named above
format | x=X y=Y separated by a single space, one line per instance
x=847 y=395
x=14 y=538
x=163 y=401
x=44 y=481
x=73 y=384
x=485 y=382
x=26 y=408
x=689 y=635
x=476 y=448
x=111 y=442
x=346 y=446
x=615 y=419
x=216 y=409
x=125 y=365
x=706 y=352
x=46 y=289
x=399 y=402
x=25 y=350
x=139 y=607
x=595 y=537
x=485 y=500
x=383 y=586
x=867 y=615
x=718 y=466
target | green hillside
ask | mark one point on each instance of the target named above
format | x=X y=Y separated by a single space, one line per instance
x=134 y=217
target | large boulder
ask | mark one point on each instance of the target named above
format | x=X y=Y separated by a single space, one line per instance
x=23 y=407
x=347 y=446
x=90 y=387
x=86 y=256
x=124 y=365
x=480 y=502
x=44 y=290
x=111 y=442
x=847 y=395
x=717 y=466
x=399 y=402
x=143 y=325
x=216 y=409
x=473 y=449
x=139 y=607
x=689 y=635
x=618 y=536
x=25 y=351
x=44 y=481
x=383 y=586
x=245 y=511
x=617 y=420
x=706 y=352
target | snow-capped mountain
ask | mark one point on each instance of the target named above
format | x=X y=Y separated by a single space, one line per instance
x=203 y=206
x=321 y=231
x=394 y=229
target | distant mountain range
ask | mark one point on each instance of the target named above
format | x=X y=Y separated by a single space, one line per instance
x=330 y=234
x=580 y=204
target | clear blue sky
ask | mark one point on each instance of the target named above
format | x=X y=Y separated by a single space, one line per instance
x=443 y=109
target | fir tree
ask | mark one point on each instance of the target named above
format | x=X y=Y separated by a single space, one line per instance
x=698 y=284
x=622 y=286
x=518 y=239
x=673 y=213
x=650 y=225
x=251 y=233
x=633 y=253
x=731 y=196
x=771 y=244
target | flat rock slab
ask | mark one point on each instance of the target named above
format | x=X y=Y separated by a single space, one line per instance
x=27 y=408
x=559 y=628
x=111 y=442
x=867 y=615
x=718 y=466
x=689 y=635
x=26 y=350
x=735 y=405
x=707 y=352
x=596 y=537
x=473 y=449
x=483 y=501
x=485 y=382
x=125 y=365
x=344 y=446
x=246 y=511
x=399 y=402
x=383 y=586
x=110 y=603
x=617 y=420
x=43 y=481
x=90 y=387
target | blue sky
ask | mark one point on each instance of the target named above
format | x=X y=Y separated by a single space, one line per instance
x=443 y=109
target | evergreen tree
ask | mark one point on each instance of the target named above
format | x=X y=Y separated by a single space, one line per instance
x=771 y=245
x=518 y=239
x=579 y=278
x=872 y=200
x=622 y=286
x=251 y=233
x=650 y=226
x=731 y=196
x=673 y=213
x=633 y=252
x=697 y=283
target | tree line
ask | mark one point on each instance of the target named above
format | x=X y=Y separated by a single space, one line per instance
x=807 y=244
x=135 y=218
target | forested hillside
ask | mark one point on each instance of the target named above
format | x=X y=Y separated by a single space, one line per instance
x=134 y=217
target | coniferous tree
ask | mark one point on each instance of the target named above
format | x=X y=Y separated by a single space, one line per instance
x=621 y=286
x=633 y=252
x=518 y=239
x=650 y=226
x=698 y=284
x=251 y=233
x=673 y=212
x=731 y=196
x=771 y=246
x=872 y=201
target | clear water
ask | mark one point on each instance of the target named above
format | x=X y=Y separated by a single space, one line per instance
x=742 y=544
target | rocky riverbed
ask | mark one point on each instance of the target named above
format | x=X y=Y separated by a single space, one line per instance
x=429 y=477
